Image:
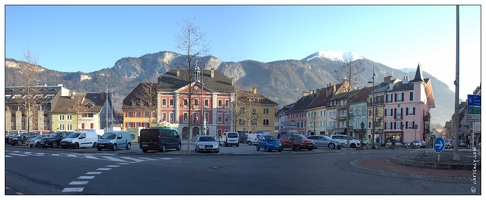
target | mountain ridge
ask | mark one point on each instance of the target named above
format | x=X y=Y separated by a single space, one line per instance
x=282 y=81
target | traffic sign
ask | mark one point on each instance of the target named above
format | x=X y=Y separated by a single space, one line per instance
x=439 y=145
x=474 y=110
x=473 y=118
x=473 y=100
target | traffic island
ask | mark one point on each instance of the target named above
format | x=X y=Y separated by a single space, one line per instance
x=430 y=160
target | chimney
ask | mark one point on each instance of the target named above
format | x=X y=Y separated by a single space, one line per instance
x=405 y=80
x=388 y=79
x=59 y=84
x=254 y=90
x=72 y=95
x=178 y=72
x=212 y=72
x=304 y=94
x=311 y=92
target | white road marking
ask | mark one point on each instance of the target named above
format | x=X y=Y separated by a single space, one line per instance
x=103 y=169
x=72 y=190
x=16 y=154
x=72 y=155
x=134 y=159
x=91 y=157
x=124 y=163
x=55 y=154
x=7 y=156
x=86 y=177
x=78 y=182
x=113 y=166
x=113 y=159
x=166 y=158
x=91 y=173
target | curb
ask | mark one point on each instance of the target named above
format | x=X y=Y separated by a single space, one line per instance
x=431 y=165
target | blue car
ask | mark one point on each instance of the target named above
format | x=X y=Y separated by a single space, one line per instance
x=269 y=143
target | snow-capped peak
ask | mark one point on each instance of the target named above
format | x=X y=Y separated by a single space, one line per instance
x=335 y=55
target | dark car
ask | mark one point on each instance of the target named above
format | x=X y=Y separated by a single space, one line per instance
x=288 y=139
x=159 y=139
x=8 y=135
x=21 y=138
x=54 y=140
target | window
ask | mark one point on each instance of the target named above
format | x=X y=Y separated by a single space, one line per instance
x=164 y=102
x=399 y=96
x=266 y=110
x=171 y=102
x=226 y=103
x=206 y=103
x=241 y=122
x=87 y=115
x=254 y=122
x=411 y=111
x=388 y=112
x=61 y=118
x=91 y=125
x=389 y=98
x=411 y=96
x=82 y=126
x=388 y=125
x=195 y=118
x=206 y=116
x=220 y=117
x=220 y=103
x=186 y=102
x=398 y=113
x=398 y=125
x=226 y=118
x=410 y=124
x=266 y=122
x=185 y=116
x=61 y=127
x=171 y=117
x=69 y=117
x=164 y=116
x=69 y=127
x=196 y=102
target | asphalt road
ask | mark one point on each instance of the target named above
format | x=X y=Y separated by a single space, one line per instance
x=245 y=171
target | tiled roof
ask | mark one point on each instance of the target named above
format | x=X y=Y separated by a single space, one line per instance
x=262 y=99
x=171 y=82
x=127 y=101
x=43 y=91
x=303 y=103
x=363 y=95
x=323 y=96
x=68 y=104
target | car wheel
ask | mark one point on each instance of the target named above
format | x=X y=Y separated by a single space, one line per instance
x=257 y=147
x=225 y=144
x=129 y=145
x=64 y=147
x=178 y=147
x=19 y=143
x=280 y=150
x=237 y=145
x=94 y=145
x=76 y=145
x=353 y=145
x=114 y=147
x=310 y=149
x=163 y=148
x=331 y=146
x=99 y=149
x=266 y=149
x=217 y=151
x=55 y=145
x=249 y=143
x=144 y=150
x=37 y=145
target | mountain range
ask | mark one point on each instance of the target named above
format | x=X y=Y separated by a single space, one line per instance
x=282 y=81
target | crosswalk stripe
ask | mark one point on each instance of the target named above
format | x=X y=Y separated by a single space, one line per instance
x=55 y=154
x=113 y=166
x=103 y=169
x=16 y=154
x=86 y=177
x=91 y=157
x=78 y=182
x=72 y=190
x=72 y=155
x=134 y=159
x=7 y=156
x=113 y=159
x=92 y=173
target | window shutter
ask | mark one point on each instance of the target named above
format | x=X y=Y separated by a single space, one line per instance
x=395 y=125
x=395 y=116
x=413 y=110
x=395 y=97
x=403 y=96
x=401 y=113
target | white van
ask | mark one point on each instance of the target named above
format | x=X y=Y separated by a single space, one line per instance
x=253 y=138
x=80 y=139
x=353 y=143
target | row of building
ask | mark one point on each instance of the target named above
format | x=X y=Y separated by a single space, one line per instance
x=212 y=105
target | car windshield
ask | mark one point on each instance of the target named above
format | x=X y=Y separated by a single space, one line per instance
x=270 y=138
x=207 y=139
x=11 y=134
x=108 y=136
x=74 y=135
x=326 y=137
x=232 y=135
x=302 y=136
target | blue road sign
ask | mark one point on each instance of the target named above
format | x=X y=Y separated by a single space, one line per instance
x=439 y=144
x=473 y=100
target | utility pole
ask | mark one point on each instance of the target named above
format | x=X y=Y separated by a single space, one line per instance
x=455 y=155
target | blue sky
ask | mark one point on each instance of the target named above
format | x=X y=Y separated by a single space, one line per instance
x=89 y=38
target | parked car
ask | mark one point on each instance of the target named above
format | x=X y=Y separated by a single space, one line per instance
x=288 y=139
x=80 y=140
x=8 y=135
x=325 y=141
x=114 y=140
x=22 y=138
x=462 y=143
x=54 y=139
x=206 y=143
x=269 y=143
x=253 y=138
x=449 y=144
x=353 y=143
x=416 y=144
x=36 y=140
x=230 y=138
x=159 y=139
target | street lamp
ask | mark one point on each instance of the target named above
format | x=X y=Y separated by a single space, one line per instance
x=373 y=107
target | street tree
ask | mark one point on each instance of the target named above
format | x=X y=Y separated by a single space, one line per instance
x=146 y=100
x=350 y=71
x=192 y=41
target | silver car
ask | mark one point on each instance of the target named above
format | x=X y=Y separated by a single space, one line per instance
x=325 y=141
x=206 y=143
x=36 y=140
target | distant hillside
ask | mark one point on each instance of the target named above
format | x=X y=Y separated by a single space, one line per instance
x=281 y=81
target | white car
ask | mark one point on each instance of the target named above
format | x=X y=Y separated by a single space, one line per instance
x=206 y=143
x=353 y=143
x=230 y=139
x=253 y=138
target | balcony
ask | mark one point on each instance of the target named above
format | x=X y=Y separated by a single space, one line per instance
x=340 y=106
x=329 y=128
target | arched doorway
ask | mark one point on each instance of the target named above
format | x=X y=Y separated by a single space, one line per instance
x=185 y=133
x=195 y=132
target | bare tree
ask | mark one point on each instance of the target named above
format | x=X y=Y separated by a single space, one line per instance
x=247 y=109
x=192 y=41
x=350 y=71
x=146 y=98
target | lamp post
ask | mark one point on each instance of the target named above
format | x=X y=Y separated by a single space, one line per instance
x=373 y=107
x=415 y=127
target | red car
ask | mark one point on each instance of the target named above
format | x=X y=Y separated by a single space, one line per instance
x=288 y=139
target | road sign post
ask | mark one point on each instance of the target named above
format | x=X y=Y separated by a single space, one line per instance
x=473 y=100
x=473 y=110
x=439 y=145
